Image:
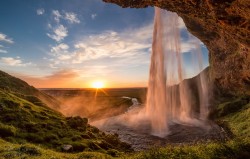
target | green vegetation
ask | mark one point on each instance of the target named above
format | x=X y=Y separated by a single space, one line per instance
x=30 y=129
x=238 y=121
x=26 y=151
x=23 y=121
x=26 y=120
x=6 y=130
x=21 y=89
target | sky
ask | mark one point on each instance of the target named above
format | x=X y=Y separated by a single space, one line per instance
x=71 y=44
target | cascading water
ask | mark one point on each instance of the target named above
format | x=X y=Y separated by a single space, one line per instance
x=168 y=98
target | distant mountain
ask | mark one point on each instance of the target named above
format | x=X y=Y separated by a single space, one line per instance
x=26 y=118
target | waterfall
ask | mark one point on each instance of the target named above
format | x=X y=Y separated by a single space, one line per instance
x=169 y=99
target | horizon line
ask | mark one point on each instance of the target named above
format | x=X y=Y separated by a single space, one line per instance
x=93 y=88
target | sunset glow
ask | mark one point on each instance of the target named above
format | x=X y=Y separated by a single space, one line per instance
x=98 y=84
x=68 y=56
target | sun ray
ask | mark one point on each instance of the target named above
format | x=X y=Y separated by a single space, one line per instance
x=104 y=92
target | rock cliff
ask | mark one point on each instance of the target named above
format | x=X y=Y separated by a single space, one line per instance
x=224 y=27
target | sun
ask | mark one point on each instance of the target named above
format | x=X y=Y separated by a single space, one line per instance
x=98 y=84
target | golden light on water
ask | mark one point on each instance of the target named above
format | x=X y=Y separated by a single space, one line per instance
x=98 y=84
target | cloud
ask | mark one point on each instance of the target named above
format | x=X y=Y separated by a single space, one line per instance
x=61 y=48
x=93 y=16
x=40 y=11
x=114 y=45
x=57 y=79
x=132 y=45
x=10 y=61
x=3 y=51
x=56 y=15
x=60 y=52
x=6 y=39
x=59 y=33
x=68 y=16
x=191 y=44
x=71 y=17
x=63 y=74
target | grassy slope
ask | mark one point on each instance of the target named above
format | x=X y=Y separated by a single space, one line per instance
x=235 y=117
x=22 y=122
x=25 y=119
x=22 y=89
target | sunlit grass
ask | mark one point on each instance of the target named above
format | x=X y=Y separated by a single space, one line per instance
x=17 y=151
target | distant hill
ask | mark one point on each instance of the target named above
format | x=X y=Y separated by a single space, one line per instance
x=26 y=118
x=22 y=89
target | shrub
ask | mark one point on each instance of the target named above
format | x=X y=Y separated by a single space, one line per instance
x=32 y=128
x=10 y=103
x=79 y=147
x=33 y=99
x=27 y=107
x=76 y=138
x=49 y=137
x=104 y=145
x=93 y=146
x=6 y=130
x=77 y=122
x=85 y=136
x=113 y=153
x=35 y=138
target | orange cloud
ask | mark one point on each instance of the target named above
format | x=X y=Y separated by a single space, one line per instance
x=60 y=79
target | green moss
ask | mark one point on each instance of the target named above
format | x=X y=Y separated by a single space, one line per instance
x=213 y=150
x=239 y=123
